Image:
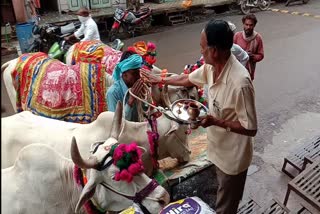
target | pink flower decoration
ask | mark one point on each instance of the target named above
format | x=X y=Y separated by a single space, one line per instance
x=126 y=176
x=131 y=147
x=135 y=168
x=117 y=155
x=151 y=45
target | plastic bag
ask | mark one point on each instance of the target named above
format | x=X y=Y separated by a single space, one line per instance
x=192 y=205
x=134 y=209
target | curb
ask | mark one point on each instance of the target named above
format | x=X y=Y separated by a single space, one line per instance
x=294 y=13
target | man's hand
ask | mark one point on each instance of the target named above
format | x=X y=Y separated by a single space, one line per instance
x=251 y=55
x=137 y=90
x=149 y=77
x=207 y=120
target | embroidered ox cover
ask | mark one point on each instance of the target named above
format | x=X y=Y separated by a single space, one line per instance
x=49 y=88
x=96 y=52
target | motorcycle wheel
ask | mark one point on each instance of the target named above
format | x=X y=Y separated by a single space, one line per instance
x=113 y=34
x=264 y=4
x=305 y=1
x=244 y=8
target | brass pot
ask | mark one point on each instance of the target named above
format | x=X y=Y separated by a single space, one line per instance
x=193 y=111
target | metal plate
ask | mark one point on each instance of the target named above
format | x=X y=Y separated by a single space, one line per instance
x=179 y=110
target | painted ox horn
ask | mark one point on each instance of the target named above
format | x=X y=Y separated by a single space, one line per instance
x=92 y=162
x=116 y=123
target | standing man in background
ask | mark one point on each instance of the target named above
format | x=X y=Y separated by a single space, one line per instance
x=251 y=42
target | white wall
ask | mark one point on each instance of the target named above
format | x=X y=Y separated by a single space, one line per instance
x=122 y=3
x=64 y=5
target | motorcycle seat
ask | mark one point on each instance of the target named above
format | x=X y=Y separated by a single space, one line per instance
x=141 y=12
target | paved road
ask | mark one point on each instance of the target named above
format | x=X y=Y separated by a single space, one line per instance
x=287 y=84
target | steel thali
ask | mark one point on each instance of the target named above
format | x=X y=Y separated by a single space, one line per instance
x=180 y=110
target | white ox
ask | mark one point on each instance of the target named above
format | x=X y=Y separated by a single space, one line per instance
x=25 y=128
x=43 y=181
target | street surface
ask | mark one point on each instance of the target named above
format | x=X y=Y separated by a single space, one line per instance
x=286 y=84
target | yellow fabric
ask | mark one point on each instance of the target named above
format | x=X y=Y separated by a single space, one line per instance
x=230 y=98
x=88 y=51
x=186 y=3
x=141 y=47
x=99 y=53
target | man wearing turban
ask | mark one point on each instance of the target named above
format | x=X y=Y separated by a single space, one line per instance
x=126 y=75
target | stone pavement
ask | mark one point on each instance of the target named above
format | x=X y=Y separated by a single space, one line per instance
x=167 y=7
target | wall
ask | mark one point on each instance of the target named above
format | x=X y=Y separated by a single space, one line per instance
x=64 y=5
x=7 y=14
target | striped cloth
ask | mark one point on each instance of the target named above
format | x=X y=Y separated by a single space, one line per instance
x=96 y=52
x=49 y=88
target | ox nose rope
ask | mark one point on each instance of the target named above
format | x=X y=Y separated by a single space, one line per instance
x=139 y=196
x=162 y=110
x=159 y=108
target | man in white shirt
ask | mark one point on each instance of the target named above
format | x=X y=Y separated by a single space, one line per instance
x=232 y=122
x=88 y=27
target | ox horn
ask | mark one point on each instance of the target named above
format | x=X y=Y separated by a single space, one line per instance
x=92 y=162
x=116 y=123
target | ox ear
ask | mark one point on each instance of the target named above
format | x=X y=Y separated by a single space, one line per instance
x=87 y=192
x=116 y=123
x=174 y=126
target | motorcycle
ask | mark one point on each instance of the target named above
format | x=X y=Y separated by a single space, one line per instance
x=59 y=50
x=46 y=36
x=130 y=22
x=247 y=5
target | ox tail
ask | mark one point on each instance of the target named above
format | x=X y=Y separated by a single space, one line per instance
x=5 y=65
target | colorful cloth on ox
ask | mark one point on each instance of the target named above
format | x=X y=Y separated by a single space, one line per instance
x=49 y=88
x=96 y=52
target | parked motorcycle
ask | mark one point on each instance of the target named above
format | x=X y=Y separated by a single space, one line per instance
x=47 y=35
x=130 y=22
x=59 y=50
x=247 y=5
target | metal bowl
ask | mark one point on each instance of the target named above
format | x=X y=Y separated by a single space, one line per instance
x=179 y=110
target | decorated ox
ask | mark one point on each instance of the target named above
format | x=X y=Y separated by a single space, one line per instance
x=43 y=181
x=50 y=88
x=98 y=52
x=172 y=142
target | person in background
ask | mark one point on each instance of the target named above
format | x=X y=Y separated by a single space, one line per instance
x=231 y=122
x=88 y=28
x=30 y=11
x=237 y=51
x=251 y=42
x=37 y=5
x=126 y=75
